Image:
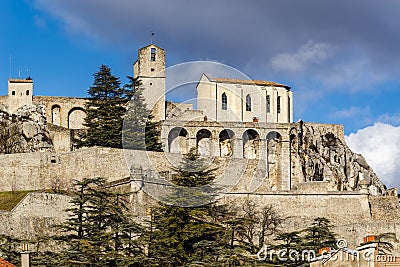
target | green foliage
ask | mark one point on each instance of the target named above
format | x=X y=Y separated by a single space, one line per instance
x=140 y=130
x=319 y=235
x=181 y=235
x=98 y=231
x=105 y=111
x=9 y=249
x=385 y=242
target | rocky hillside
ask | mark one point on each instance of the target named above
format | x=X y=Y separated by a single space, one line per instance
x=322 y=156
x=24 y=131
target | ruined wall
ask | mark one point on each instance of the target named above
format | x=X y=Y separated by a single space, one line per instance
x=63 y=111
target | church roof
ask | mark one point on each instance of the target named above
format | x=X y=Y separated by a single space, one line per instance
x=240 y=81
x=256 y=82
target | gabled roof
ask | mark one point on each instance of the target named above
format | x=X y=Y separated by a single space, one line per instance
x=248 y=82
x=4 y=263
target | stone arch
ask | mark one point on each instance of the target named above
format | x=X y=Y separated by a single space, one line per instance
x=204 y=142
x=76 y=118
x=178 y=139
x=274 y=145
x=251 y=144
x=226 y=143
x=56 y=115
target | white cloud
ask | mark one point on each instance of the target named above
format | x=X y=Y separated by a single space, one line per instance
x=380 y=145
x=309 y=54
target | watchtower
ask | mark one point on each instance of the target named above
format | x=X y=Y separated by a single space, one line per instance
x=20 y=93
x=150 y=69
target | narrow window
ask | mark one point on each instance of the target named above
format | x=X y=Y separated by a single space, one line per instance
x=27 y=92
x=248 y=103
x=153 y=54
x=224 y=102
x=13 y=92
x=268 y=104
x=278 y=104
x=152 y=69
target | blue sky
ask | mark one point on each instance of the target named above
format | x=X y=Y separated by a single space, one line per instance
x=341 y=58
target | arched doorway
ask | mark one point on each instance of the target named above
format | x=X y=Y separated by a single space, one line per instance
x=204 y=143
x=178 y=140
x=56 y=115
x=226 y=143
x=251 y=144
x=76 y=118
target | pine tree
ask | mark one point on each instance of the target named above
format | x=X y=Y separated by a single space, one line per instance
x=140 y=130
x=105 y=111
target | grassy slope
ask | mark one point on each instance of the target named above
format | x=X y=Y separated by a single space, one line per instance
x=8 y=200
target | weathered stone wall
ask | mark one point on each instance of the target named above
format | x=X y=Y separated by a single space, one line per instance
x=67 y=112
x=34 y=215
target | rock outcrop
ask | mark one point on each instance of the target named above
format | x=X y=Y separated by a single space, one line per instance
x=25 y=131
x=322 y=156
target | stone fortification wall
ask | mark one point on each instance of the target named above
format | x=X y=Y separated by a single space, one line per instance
x=354 y=215
x=34 y=215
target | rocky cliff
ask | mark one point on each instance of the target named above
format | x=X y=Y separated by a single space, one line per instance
x=25 y=131
x=322 y=156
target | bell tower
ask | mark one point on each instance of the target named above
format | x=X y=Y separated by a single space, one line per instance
x=150 y=69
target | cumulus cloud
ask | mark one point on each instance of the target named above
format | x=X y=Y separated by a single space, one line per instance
x=380 y=145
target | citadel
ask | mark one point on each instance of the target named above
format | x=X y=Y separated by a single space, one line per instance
x=246 y=129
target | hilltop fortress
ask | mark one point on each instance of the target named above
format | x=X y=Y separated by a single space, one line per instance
x=244 y=126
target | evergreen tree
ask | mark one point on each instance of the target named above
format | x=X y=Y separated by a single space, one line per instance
x=319 y=235
x=105 y=111
x=181 y=234
x=98 y=231
x=140 y=130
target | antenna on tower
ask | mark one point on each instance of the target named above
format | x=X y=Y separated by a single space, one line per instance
x=151 y=38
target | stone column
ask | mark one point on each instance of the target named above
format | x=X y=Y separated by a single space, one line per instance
x=237 y=144
x=285 y=157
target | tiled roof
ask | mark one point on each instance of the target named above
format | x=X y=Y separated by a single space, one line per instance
x=4 y=263
x=256 y=82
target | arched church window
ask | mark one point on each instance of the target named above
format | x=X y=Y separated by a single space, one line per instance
x=153 y=54
x=248 y=103
x=27 y=92
x=224 y=102
x=268 y=104
x=278 y=104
